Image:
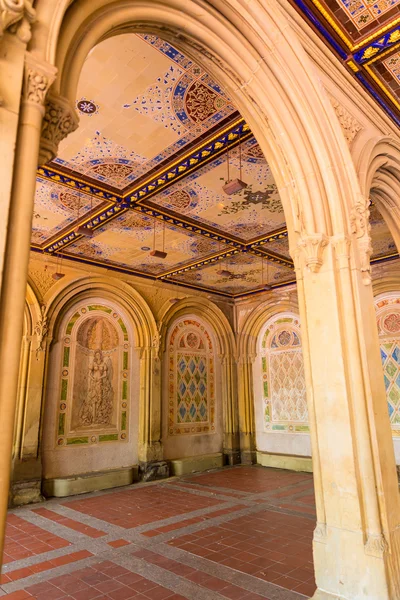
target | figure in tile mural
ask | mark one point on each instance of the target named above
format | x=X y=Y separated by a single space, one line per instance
x=95 y=378
x=97 y=407
x=96 y=350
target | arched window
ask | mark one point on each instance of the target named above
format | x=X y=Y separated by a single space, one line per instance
x=284 y=388
x=191 y=407
x=388 y=320
x=93 y=398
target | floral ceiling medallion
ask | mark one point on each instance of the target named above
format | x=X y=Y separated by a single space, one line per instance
x=87 y=107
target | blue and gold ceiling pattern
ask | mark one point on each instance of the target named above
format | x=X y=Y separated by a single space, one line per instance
x=158 y=138
x=365 y=35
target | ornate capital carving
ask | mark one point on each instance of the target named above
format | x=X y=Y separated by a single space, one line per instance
x=350 y=126
x=342 y=244
x=59 y=120
x=360 y=228
x=38 y=77
x=16 y=17
x=313 y=245
x=376 y=545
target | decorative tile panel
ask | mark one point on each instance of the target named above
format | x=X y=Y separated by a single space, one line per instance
x=191 y=391
x=284 y=387
x=388 y=319
x=93 y=405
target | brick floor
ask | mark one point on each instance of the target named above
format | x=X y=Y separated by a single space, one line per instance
x=241 y=533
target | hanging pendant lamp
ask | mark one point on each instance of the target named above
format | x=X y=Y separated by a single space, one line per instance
x=158 y=253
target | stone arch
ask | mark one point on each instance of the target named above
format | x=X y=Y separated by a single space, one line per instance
x=143 y=321
x=253 y=52
x=379 y=173
x=276 y=90
x=119 y=329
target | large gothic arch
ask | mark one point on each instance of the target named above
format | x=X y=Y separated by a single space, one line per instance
x=253 y=52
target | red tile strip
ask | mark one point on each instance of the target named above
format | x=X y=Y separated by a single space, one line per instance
x=44 y=566
x=23 y=539
x=70 y=523
x=118 y=543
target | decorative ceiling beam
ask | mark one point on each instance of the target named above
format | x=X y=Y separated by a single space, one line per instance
x=201 y=263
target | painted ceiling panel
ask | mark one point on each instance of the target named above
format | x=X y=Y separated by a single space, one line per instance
x=140 y=101
x=149 y=117
x=128 y=240
x=255 y=211
x=56 y=207
x=247 y=272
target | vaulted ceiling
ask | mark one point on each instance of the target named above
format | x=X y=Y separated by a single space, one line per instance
x=145 y=171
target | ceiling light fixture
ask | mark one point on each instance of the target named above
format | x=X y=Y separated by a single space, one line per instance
x=84 y=230
x=158 y=253
x=58 y=273
x=232 y=186
x=265 y=286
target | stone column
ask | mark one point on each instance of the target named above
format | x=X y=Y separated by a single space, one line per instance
x=26 y=476
x=356 y=540
x=246 y=409
x=15 y=33
x=151 y=463
x=38 y=77
x=231 y=440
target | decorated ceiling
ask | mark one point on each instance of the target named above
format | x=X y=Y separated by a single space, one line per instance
x=157 y=141
x=365 y=35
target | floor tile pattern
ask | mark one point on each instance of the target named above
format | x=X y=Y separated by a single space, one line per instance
x=240 y=533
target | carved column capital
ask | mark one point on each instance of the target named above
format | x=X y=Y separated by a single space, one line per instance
x=38 y=77
x=16 y=17
x=342 y=244
x=361 y=228
x=312 y=245
x=376 y=545
x=60 y=119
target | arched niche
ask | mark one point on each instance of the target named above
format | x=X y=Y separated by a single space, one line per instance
x=387 y=306
x=192 y=392
x=94 y=397
x=280 y=401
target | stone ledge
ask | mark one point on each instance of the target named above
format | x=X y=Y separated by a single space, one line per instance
x=285 y=461
x=89 y=482
x=195 y=464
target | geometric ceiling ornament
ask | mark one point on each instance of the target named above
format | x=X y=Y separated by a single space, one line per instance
x=151 y=153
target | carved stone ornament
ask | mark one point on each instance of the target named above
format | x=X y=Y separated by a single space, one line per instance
x=313 y=245
x=376 y=545
x=16 y=17
x=349 y=124
x=60 y=119
x=360 y=227
x=42 y=279
x=41 y=330
x=38 y=77
x=320 y=533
